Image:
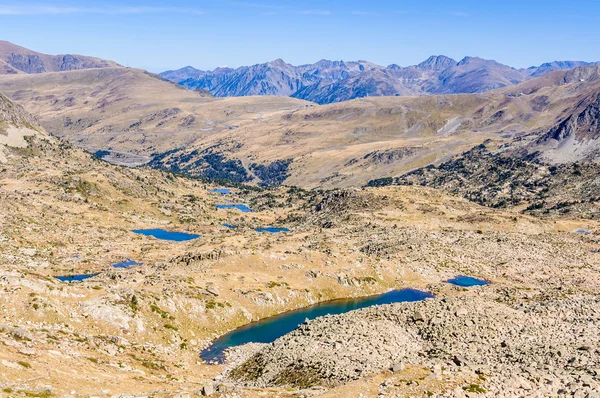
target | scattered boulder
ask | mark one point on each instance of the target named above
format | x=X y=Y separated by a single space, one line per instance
x=207 y=390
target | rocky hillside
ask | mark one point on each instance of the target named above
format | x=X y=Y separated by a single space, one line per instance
x=500 y=179
x=335 y=81
x=16 y=128
x=14 y=114
x=575 y=139
x=15 y=60
x=550 y=170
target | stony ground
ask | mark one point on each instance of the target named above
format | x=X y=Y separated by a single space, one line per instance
x=500 y=341
x=139 y=331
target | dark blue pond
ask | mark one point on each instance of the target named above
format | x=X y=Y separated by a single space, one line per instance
x=241 y=207
x=229 y=226
x=127 y=264
x=467 y=281
x=166 y=235
x=583 y=231
x=270 y=329
x=222 y=191
x=75 y=278
x=272 y=230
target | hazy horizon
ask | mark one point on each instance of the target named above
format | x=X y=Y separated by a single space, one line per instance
x=209 y=34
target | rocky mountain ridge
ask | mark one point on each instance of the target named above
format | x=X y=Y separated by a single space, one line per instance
x=336 y=81
x=15 y=60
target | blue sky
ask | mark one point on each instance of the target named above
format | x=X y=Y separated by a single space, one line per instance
x=205 y=34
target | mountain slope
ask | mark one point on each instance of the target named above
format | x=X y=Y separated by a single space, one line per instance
x=346 y=144
x=138 y=118
x=551 y=170
x=131 y=113
x=84 y=103
x=28 y=61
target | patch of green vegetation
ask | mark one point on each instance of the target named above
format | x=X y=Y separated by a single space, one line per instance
x=7 y=390
x=169 y=326
x=381 y=182
x=367 y=279
x=271 y=285
x=93 y=360
x=133 y=304
x=152 y=365
x=101 y=153
x=81 y=339
x=474 y=388
x=207 y=164
x=163 y=314
x=41 y=394
x=86 y=188
x=24 y=364
x=23 y=338
x=273 y=174
x=212 y=304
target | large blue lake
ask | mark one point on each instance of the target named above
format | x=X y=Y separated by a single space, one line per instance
x=270 y=329
x=166 y=235
x=467 y=281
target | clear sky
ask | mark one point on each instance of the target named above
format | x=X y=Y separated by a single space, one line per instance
x=160 y=35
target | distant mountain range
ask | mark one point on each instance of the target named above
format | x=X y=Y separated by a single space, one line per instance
x=336 y=81
x=17 y=60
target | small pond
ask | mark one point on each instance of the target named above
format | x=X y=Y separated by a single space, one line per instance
x=467 y=281
x=75 y=278
x=230 y=226
x=270 y=329
x=272 y=230
x=222 y=191
x=583 y=231
x=166 y=235
x=127 y=264
x=241 y=207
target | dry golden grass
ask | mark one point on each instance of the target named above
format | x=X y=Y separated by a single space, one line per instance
x=132 y=111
